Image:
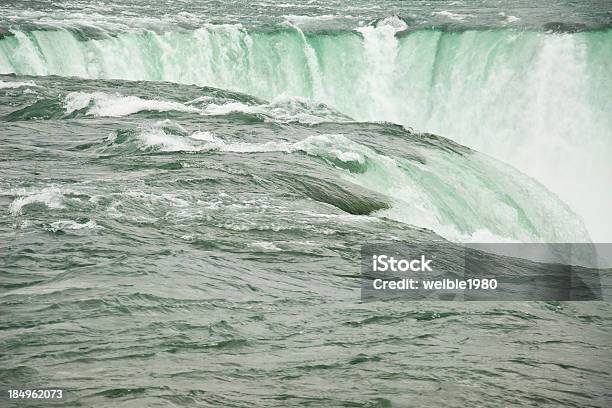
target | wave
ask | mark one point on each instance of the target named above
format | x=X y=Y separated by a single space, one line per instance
x=282 y=109
x=71 y=225
x=431 y=183
x=51 y=197
x=537 y=100
x=104 y=104
x=453 y=16
x=16 y=84
x=382 y=171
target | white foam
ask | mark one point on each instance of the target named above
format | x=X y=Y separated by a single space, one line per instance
x=64 y=225
x=507 y=18
x=333 y=146
x=230 y=107
x=299 y=109
x=299 y=19
x=269 y=246
x=391 y=24
x=282 y=108
x=16 y=84
x=203 y=136
x=395 y=22
x=155 y=136
x=115 y=105
x=451 y=15
x=52 y=197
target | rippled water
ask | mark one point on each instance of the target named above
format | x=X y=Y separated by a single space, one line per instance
x=183 y=201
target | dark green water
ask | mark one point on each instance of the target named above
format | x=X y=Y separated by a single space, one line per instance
x=195 y=242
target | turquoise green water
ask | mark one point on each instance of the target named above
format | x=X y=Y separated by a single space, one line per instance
x=185 y=190
x=498 y=91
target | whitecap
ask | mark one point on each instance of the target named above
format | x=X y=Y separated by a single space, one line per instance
x=116 y=105
x=52 y=197
x=64 y=225
x=5 y=85
x=451 y=15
